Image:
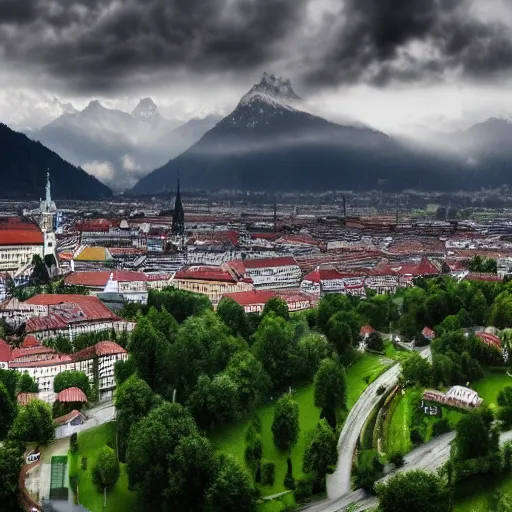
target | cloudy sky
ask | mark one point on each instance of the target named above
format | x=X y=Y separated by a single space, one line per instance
x=400 y=65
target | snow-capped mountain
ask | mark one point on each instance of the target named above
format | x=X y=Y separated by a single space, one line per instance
x=271 y=142
x=116 y=146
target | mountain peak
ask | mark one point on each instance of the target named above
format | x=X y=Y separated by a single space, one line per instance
x=146 y=109
x=94 y=104
x=272 y=89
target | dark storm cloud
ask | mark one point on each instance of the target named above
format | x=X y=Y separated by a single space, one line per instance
x=93 y=45
x=373 y=43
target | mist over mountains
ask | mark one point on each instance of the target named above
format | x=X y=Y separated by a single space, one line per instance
x=119 y=147
x=271 y=141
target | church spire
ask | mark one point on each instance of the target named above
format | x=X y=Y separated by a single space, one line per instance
x=178 y=215
x=48 y=190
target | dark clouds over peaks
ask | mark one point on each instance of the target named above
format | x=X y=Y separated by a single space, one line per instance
x=90 y=46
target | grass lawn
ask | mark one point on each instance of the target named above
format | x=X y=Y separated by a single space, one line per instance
x=489 y=387
x=397 y=426
x=231 y=439
x=475 y=494
x=90 y=444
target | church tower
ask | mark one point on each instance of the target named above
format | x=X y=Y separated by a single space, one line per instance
x=48 y=220
x=178 y=218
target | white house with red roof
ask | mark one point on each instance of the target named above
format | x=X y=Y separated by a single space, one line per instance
x=491 y=340
x=20 y=241
x=269 y=273
x=254 y=301
x=211 y=281
x=131 y=285
x=330 y=280
x=72 y=315
x=5 y=355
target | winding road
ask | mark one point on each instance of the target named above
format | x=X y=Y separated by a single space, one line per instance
x=338 y=484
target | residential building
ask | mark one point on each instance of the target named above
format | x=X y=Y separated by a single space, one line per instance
x=20 y=241
x=456 y=396
x=211 y=281
x=254 y=301
x=269 y=273
x=322 y=281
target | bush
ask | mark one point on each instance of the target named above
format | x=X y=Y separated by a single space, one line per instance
x=73 y=483
x=268 y=473
x=397 y=459
x=441 y=427
x=416 y=435
x=505 y=414
x=83 y=463
x=73 y=443
x=289 y=481
x=303 y=490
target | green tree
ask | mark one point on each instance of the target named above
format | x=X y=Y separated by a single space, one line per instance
x=313 y=348
x=285 y=425
x=214 y=401
x=180 y=303
x=330 y=386
x=123 y=370
x=134 y=400
x=329 y=305
x=375 y=342
x=414 y=490
x=276 y=348
x=321 y=453
x=472 y=439
x=39 y=274
x=10 y=381
x=163 y=322
x=152 y=441
x=27 y=384
x=505 y=397
x=150 y=352
x=8 y=411
x=192 y=470
x=278 y=307
x=105 y=472
x=478 y=308
x=34 y=424
x=233 y=315
x=340 y=335
x=250 y=378
x=11 y=461
x=70 y=379
x=231 y=490
x=417 y=370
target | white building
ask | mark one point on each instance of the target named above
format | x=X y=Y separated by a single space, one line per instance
x=322 y=281
x=266 y=273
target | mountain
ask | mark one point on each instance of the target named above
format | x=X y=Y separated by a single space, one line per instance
x=118 y=147
x=24 y=164
x=271 y=142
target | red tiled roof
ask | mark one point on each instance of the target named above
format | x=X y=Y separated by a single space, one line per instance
x=70 y=416
x=366 y=329
x=298 y=239
x=205 y=273
x=30 y=342
x=14 y=231
x=5 y=351
x=98 y=225
x=328 y=274
x=489 y=339
x=91 y=307
x=237 y=266
x=54 y=360
x=158 y=277
x=26 y=398
x=72 y=395
x=18 y=353
x=490 y=278
x=251 y=297
x=100 y=278
x=428 y=332
x=103 y=348
x=45 y=323
x=270 y=262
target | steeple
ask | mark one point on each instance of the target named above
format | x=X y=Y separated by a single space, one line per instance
x=48 y=190
x=178 y=216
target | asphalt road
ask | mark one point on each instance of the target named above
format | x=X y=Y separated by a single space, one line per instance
x=339 y=482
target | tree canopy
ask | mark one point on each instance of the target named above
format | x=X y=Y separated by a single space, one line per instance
x=33 y=424
x=285 y=425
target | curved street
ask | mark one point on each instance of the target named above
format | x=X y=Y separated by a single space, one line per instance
x=339 y=482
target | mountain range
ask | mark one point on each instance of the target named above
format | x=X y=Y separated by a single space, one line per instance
x=272 y=141
x=24 y=164
x=119 y=147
